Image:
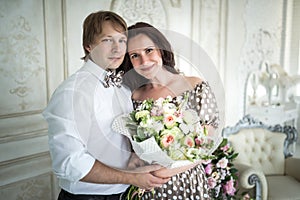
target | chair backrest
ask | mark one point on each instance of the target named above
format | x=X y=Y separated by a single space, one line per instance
x=261 y=146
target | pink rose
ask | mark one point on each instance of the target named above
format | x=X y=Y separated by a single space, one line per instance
x=188 y=141
x=199 y=141
x=211 y=182
x=225 y=148
x=167 y=140
x=229 y=187
x=208 y=169
x=156 y=111
x=222 y=163
x=169 y=121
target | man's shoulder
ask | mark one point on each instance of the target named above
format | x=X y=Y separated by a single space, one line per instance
x=81 y=76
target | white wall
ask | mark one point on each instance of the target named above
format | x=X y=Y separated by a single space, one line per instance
x=254 y=35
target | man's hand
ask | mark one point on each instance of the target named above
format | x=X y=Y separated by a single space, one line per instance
x=141 y=177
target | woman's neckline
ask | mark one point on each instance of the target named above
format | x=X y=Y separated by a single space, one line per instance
x=174 y=97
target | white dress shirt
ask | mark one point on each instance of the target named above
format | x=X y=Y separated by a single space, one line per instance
x=79 y=115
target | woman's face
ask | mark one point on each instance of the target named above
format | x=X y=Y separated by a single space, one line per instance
x=144 y=56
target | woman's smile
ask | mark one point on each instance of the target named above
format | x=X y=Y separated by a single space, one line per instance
x=144 y=56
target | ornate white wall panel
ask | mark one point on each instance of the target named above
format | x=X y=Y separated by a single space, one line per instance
x=210 y=28
x=262 y=39
x=28 y=178
x=151 y=11
x=25 y=147
x=254 y=35
x=22 y=57
x=263 y=34
x=35 y=188
x=20 y=126
x=31 y=67
x=28 y=167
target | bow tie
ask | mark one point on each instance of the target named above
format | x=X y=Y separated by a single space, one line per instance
x=111 y=78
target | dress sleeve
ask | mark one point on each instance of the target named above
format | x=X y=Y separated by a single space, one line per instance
x=204 y=102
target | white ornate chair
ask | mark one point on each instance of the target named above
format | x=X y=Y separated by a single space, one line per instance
x=266 y=167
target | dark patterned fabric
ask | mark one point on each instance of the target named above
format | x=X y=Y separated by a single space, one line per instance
x=112 y=78
x=204 y=102
x=191 y=184
x=64 y=195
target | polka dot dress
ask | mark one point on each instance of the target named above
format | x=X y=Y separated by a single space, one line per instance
x=191 y=184
x=204 y=102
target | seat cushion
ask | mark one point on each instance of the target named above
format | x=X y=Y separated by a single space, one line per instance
x=283 y=188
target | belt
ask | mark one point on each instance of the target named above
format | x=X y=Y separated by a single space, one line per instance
x=64 y=195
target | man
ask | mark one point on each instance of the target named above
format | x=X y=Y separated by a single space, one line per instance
x=86 y=153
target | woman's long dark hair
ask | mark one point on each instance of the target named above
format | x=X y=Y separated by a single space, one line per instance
x=131 y=77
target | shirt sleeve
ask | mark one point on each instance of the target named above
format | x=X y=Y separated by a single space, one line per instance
x=70 y=158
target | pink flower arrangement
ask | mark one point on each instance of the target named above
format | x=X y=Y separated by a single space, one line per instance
x=175 y=127
x=221 y=174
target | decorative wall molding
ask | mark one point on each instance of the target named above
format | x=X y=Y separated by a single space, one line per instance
x=208 y=28
x=24 y=136
x=151 y=11
x=262 y=41
x=31 y=56
x=25 y=168
x=28 y=177
x=19 y=125
x=54 y=41
x=210 y=20
x=176 y=3
x=22 y=148
x=22 y=58
x=33 y=188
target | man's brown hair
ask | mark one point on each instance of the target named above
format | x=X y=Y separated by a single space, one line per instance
x=92 y=27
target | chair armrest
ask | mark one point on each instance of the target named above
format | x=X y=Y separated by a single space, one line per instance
x=252 y=178
x=292 y=167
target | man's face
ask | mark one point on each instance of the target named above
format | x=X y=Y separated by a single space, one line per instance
x=109 y=51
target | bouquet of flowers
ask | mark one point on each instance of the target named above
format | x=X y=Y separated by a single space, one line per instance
x=167 y=132
x=221 y=174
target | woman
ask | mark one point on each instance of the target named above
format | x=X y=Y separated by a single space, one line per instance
x=154 y=76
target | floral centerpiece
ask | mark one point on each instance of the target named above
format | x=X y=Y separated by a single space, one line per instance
x=221 y=173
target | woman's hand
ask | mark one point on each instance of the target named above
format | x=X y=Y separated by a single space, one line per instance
x=136 y=165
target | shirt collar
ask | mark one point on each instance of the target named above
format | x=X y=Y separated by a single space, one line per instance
x=95 y=69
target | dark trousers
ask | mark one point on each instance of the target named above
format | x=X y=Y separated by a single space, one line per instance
x=64 y=195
